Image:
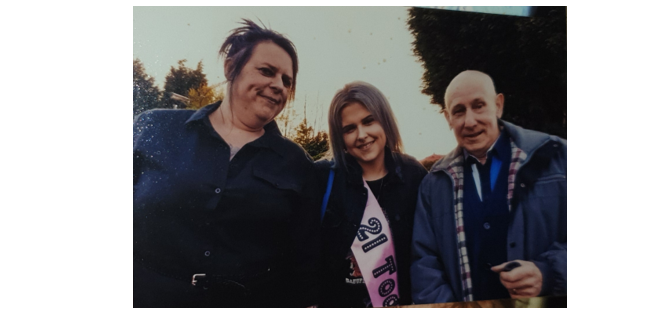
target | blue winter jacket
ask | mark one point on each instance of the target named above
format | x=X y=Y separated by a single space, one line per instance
x=537 y=231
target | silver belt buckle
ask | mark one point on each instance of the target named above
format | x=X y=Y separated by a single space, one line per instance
x=196 y=276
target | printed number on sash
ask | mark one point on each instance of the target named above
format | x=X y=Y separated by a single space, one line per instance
x=375 y=228
x=374 y=243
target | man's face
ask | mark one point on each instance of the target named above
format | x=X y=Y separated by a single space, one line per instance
x=472 y=110
x=260 y=90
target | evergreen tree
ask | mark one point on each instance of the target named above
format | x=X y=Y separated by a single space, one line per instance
x=525 y=56
x=145 y=94
x=316 y=145
x=180 y=80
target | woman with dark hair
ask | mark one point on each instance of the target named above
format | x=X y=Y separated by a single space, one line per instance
x=225 y=214
x=367 y=224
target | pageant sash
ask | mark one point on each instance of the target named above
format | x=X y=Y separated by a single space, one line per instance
x=373 y=249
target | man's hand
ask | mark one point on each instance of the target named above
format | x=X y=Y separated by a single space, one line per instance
x=523 y=281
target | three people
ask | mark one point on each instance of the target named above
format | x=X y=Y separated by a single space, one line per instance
x=227 y=210
x=367 y=225
x=491 y=219
x=225 y=213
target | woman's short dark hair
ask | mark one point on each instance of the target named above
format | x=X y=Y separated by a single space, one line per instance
x=238 y=48
x=375 y=102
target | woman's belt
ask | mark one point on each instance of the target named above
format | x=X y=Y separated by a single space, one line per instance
x=237 y=283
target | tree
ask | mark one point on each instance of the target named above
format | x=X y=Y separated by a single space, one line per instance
x=204 y=95
x=179 y=81
x=316 y=145
x=525 y=56
x=145 y=95
x=284 y=120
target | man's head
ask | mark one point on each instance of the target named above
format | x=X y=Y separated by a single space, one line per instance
x=472 y=110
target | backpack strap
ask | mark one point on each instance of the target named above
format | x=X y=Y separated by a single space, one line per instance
x=330 y=182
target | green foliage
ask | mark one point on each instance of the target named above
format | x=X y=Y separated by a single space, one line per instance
x=315 y=144
x=180 y=80
x=526 y=57
x=145 y=94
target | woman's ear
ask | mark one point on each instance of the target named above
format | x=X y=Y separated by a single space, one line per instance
x=228 y=68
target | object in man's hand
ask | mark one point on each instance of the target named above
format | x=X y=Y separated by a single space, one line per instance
x=510 y=266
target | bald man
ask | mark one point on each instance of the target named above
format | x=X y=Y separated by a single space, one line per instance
x=491 y=217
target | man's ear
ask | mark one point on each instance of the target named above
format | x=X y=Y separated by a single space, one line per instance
x=499 y=102
x=447 y=116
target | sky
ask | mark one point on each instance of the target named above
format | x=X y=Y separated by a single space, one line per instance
x=335 y=46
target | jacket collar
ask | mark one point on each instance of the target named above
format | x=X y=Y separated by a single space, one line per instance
x=527 y=140
x=392 y=163
x=271 y=139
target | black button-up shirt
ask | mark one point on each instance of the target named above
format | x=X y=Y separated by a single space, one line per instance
x=197 y=212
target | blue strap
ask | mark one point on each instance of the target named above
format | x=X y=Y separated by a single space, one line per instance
x=494 y=171
x=330 y=181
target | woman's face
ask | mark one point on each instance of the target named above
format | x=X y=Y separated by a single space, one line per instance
x=364 y=136
x=260 y=90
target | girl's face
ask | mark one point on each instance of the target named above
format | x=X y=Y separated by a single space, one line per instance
x=364 y=136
